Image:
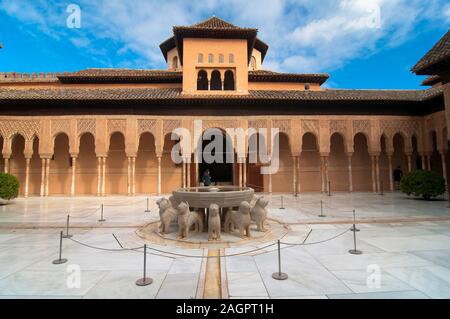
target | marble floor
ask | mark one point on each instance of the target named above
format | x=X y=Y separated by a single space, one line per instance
x=407 y=255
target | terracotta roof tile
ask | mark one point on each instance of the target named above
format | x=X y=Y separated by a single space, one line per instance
x=436 y=58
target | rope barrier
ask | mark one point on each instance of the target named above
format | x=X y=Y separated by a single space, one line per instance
x=317 y=242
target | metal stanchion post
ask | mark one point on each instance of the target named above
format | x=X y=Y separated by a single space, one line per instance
x=60 y=260
x=321 y=209
x=279 y=275
x=67 y=228
x=353 y=228
x=101 y=216
x=144 y=281
x=354 y=251
x=282 y=204
x=148 y=209
x=381 y=188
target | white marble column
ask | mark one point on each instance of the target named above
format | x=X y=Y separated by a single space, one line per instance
x=409 y=157
x=104 y=176
x=294 y=175
x=42 y=192
x=27 y=175
x=270 y=178
x=128 y=175
x=188 y=174
x=374 y=182
x=6 y=165
x=377 y=170
x=99 y=176
x=159 y=175
x=429 y=162
x=133 y=175
x=444 y=167
x=183 y=184
x=350 y=172
x=391 y=172
x=73 y=178
x=299 y=181
x=47 y=175
x=322 y=174
x=245 y=172
x=197 y=167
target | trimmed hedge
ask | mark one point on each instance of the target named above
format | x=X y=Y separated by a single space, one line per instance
x=9 y=186
x=427 y=184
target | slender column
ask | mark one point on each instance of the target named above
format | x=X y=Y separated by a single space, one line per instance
x=103 y=176
x=128 y=175
x=322 y=178
x=197 y=167
x=391 y=172
x=324 y=173
x=99 y=176
x=42 y=192
x=299 y=186
x=294 y=175
x=159 y=175
x=377 y=168
x=245 y=172
x=240 y=173
x=47 y=175
x=133 y=174
x=270 y=179
x=444 y=167
x=429 y=162
x=6 y=165
x=183 y=184
x=27 y=175
x=423 y=161
x=374 y=182
x=350 y=173
x=188 y=168
x=72 y=181
x=409 y=162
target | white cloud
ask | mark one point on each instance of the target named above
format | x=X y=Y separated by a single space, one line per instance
x=304 y=35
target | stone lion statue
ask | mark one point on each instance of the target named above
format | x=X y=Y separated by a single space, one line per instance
x=214 y=223
x=240 y=219
x=167 y=214
x=188 y=219
x=258 y=213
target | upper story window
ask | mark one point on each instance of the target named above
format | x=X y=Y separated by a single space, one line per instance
x=220 y=58
x=200 y=58
x=210 y=58
x=231 y=58
x=253 y=63
x=307 y=86
x=175 y=63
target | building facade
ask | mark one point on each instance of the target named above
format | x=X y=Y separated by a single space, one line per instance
x=108 y=131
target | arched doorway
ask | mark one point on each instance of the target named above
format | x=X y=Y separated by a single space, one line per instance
x=337 y=164
x=202 y=80
x=435 y=159
x=309 y=172
x=34 y=187
x=385 y=173
x=217 y=156
x=361 y=164
x=171 y=172
x=146 y=165
x=216 y=81
x=59 y=179
x=116 y=165
x=86 y=175
x=17 y=160
x=228 y=84
x=256 y=146
x=282 y=179
x=399 y=159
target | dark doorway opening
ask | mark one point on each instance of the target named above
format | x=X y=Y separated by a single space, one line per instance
x=221 y=171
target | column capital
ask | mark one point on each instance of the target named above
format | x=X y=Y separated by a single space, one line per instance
x=374 y=154
x=349 y=154
x=74 y=155
x=324 y=154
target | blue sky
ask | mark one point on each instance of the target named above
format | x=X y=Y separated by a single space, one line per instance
x=361 y=43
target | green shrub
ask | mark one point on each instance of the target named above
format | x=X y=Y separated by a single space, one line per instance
x=423 y=183
x=9 y=186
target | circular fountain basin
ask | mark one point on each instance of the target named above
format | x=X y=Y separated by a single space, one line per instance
x=224 y=196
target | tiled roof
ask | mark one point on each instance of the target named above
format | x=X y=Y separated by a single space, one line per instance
x=435 y=59
x=431 y=80
x=214 y=23
x=270 y=76
x=121 y=75
x=111 y=94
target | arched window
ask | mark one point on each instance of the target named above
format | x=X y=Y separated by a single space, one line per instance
x=221 y=58
x=216 y=81
x=228 y=84
x=210 y=58
x=200 y=58
x=307 y=86
x=231 y=58
x=253 y=63
x=175 y=63
x=202 y=80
